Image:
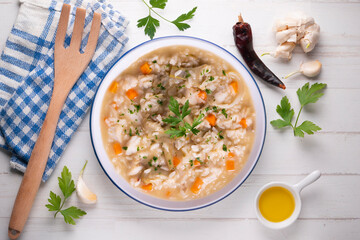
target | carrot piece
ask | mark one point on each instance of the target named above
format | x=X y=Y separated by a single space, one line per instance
x=234 y=85
x=131 y=93
x=176 y=161
x=231 y=155
x=147 y=187
x=243 y=123
x=211 y=119
x=117 y=148
x=168 y=194
x=113 y=87
x=202 y=94
x=230 y=165
x=196 y=163
x=197 y=185
x=145 y=68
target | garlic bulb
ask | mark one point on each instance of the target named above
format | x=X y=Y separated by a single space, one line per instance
x=83 y=192
x=309 y=69
x=296 y=28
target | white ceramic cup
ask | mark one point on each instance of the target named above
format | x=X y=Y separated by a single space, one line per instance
x=295 y=191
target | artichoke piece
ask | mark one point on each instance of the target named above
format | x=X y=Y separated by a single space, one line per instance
x=185 y=73
x=169 y=153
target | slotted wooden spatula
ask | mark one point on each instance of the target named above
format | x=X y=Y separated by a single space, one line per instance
x=69 y=64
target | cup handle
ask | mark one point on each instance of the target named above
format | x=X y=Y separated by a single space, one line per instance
x=312 y=177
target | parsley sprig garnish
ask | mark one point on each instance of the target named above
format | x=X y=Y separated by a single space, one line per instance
x=67 y=187
x=151 y=23
x=306 y=95
x=177 y=129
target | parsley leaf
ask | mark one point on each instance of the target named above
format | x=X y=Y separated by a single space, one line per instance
x=307 y=127
x=173 y=132
x=55 y=201
x=278 y=123
x=306 y=94
x=286 y=112
x=177 y=130
x=151 y=23
x=172 y=120
x=158 y=3
x=185 y=110
x=67 y=187
x=174 y=106
x=72 y=213
x=66 y=184
x=183 y=17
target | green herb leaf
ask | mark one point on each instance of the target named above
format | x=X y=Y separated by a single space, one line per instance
x=158 y=3
x=174 y=106
x=308 y=95
x=220 y=135
x=55 y=201
x=178 y=130
x=223 y=111
x=307 y=127
x=72 y=213
x=66 y=184
x=197 y=121
x=150 y=24
x=187 y=125
x=286 y=112
x=185 y=110
x=67 y=187
x=279 y=123
x=173 y=121
x=173 y=132
x=183 y=17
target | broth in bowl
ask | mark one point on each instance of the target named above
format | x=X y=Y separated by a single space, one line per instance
x=179 y=123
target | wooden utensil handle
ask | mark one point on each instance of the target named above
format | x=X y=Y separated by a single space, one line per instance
x=36 y=166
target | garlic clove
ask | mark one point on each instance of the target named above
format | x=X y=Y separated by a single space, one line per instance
x=310 y=38
x=83 y=192
x=311 y=69
x=292 y=38
x=283 y=36
x=284 y=50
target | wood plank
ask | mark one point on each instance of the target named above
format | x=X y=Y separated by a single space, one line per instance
x=329 y=197
x=154 y=229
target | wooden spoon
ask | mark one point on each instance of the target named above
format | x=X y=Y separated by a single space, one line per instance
x=69 y=64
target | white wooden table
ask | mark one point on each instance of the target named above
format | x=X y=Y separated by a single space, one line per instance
x=331 y=206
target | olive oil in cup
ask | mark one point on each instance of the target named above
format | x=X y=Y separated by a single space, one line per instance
x=278 y=205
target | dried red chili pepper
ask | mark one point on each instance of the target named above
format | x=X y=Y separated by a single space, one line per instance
x=243 y=40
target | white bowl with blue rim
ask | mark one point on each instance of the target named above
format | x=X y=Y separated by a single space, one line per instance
x=124 y=62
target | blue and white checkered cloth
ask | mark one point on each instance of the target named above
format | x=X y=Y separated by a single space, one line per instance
x=27 y=74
